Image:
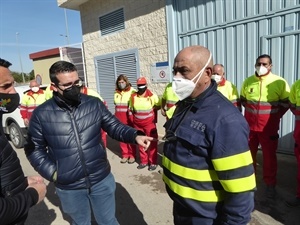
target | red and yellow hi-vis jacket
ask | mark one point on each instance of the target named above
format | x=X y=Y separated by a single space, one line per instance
x=171 y=98
x=143 y=109
x=230 y=91
x=265 y=99
x=295 y=100
x=121 y=101
x=30 y=101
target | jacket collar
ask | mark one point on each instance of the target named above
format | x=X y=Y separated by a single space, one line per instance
x=222 y=83
x=40 y=91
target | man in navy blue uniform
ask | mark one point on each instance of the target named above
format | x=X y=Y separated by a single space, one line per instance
x=208 y=168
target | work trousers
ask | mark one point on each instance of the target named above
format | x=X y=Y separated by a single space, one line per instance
x=127 y=150
x=297 y=154
x=183 y=216
x=269 y=143
x=149 y=156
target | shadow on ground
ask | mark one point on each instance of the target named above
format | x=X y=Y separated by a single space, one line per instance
x=126 y=208
x=286 y=189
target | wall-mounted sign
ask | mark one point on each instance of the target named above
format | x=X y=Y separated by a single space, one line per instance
x=38 y=79
x=160 y=72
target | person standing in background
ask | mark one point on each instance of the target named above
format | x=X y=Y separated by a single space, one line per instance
x=168 y=101
x=227 y=88
x=121 y=100
x=49 y=92
x=265 y=97
x=294 y=99
x=17 y=192
x=87 y=91
x=143 y=106
x=31 y=99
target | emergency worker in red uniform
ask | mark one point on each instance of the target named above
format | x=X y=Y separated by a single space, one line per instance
x=121 y=100
x=143 y=106
x=168 y=101
x=87 y=91
x=265 y=98
x=31 y=100
x=227 y=88
x=294 y=99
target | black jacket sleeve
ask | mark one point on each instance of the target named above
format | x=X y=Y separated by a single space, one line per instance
x=14 y=209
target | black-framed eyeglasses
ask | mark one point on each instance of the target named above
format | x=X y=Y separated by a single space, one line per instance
x=77 y=83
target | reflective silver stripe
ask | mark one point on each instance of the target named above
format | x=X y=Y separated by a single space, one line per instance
x=263 y=103
x=121 y=104
x=142 y=117
x=171 y=102
x=266 y=111
x=121 y=109
x=143 y=111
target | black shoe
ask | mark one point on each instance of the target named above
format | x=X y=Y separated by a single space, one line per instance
x=293 y=203
x=152 y=167
x=141 y=166
x=270 y=191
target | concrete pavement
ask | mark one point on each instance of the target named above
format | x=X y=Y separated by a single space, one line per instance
x=141 y=198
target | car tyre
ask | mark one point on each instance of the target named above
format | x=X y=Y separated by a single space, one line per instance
x=16 y=135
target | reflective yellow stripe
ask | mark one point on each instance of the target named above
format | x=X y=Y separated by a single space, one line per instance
x=188 y=173
x=239 y=185
x=233 y=162
x=187 y=192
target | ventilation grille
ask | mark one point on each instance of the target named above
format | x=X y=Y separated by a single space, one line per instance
x=112 y=22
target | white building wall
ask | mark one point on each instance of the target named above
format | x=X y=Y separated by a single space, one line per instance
x=145 y=29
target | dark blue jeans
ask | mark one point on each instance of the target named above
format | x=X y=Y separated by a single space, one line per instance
x=101 y=199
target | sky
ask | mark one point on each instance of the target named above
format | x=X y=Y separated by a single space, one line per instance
x=29 y=26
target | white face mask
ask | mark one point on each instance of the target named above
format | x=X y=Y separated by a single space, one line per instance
x=217 y=78
x=261 y=70
x=35 y=89
x=183 y=88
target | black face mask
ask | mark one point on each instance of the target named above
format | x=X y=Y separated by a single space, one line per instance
x=141 y=90
x=71 y=95
x=9 y=102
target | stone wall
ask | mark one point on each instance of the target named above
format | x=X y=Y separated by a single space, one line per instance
x=145 y=29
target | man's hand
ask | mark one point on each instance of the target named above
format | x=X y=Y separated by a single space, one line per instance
x=38 y=184
x=26 y=122
x=144 y=141
x=35 y=179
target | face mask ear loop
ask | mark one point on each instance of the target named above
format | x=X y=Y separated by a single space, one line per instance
x=201 y=71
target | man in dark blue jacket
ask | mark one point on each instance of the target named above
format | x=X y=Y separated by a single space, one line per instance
x=65 y=146
x=207 y=164
x=17 y=193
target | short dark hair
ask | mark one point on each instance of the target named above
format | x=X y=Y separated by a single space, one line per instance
x=60 y=67
x=4 y=63
x=264 y=56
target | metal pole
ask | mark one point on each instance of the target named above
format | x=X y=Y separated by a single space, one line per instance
x=67 y=29
x=17 y=39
